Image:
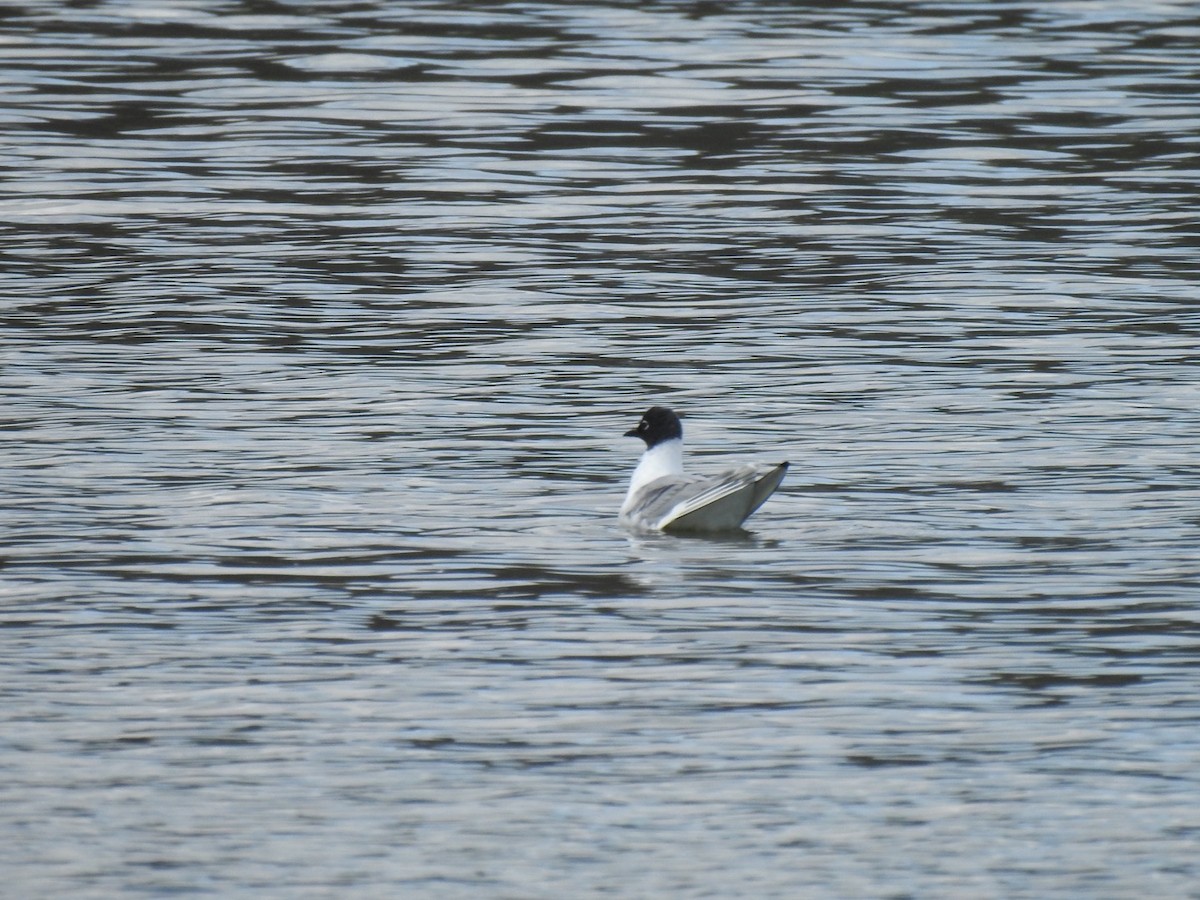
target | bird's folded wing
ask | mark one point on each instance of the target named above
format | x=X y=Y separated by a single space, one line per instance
x=682 y=503
x=727 y=500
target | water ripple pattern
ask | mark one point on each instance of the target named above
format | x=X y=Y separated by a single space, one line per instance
x=322 y=324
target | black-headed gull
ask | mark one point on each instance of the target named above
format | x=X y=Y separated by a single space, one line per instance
x=662 y=498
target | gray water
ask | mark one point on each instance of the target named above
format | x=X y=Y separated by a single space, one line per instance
x=322 y=326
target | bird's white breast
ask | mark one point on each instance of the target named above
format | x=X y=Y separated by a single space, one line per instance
x=662 y=459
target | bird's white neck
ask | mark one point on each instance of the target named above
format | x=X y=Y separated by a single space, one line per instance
x=662 y=459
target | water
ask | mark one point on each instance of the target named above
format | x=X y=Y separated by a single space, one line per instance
x=322 y=323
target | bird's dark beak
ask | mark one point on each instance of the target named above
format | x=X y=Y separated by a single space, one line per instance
x=632 y=433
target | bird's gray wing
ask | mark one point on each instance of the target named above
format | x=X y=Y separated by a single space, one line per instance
x=724 y=502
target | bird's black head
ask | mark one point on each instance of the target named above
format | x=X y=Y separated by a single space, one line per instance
x=658 y=424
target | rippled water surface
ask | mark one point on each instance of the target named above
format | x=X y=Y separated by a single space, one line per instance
x=322 y=325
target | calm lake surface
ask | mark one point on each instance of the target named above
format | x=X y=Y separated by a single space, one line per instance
x=322 y=323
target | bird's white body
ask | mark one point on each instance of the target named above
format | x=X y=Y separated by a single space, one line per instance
x=660 y=461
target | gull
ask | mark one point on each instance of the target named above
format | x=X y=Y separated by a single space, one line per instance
x=662 y=498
